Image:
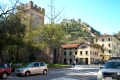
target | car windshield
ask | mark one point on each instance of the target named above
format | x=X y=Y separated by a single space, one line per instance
x=29 y=65
x=112 y=65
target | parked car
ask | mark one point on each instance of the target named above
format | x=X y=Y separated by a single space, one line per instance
x=32 y=68
x=98 y=62
x=5 y=70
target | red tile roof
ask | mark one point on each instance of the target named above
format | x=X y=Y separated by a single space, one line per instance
x=70 y=45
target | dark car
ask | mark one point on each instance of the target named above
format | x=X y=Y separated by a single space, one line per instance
x=5 y=70
x=98 y=62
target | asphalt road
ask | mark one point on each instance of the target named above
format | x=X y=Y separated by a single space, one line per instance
x=84 y=72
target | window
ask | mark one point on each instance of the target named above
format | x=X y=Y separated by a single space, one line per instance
x=75 y=52
x=93 y=53
x=109 y=45
x=5 y=65
x=96 y=40
x=70 y=53
x=83 y=46
x=80 y=52
x=36 y=64
x=90 y=52
x=86 y=52
x=64 y=53
x=42 y=64
x=102 y=40
x=64 y=48
x=102 y=45
x=109 y=51
x=108 y=39
x=1 y=65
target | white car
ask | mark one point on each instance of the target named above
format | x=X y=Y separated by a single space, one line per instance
x=110 y=71
x=32 y=68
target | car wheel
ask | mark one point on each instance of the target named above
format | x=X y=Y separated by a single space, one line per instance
x=27 y=73
x=45 y=72
x=4 y=75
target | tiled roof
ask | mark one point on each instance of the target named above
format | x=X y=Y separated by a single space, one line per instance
x=70 y=45
x=74 y=45
x=103 y=35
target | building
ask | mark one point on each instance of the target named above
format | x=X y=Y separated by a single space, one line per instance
x=35 y=13
x=82 y=53
x=110 y=44
x=34 y=16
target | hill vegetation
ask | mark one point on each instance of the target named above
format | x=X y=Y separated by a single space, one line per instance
x=78 y=31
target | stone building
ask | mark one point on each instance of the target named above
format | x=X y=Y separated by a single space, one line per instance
x=35 y=16
x=35 y=13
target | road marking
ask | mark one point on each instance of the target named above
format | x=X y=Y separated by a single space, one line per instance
x=76 y=72
x=88 y=73
x=64 y=78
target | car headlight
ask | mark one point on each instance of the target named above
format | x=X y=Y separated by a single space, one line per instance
x=118 y=73
x=22 y=70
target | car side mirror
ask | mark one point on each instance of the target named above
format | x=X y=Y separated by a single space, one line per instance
x=101 y=67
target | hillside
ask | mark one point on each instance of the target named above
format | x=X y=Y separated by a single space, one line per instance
x=78 y=31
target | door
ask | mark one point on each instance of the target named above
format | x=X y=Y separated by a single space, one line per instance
x=42 y=67
x=35 y=68
x=86 y=60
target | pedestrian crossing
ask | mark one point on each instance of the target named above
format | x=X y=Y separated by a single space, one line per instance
x=75 y=71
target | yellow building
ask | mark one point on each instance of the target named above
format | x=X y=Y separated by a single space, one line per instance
x=110 y=44
x=82 y=53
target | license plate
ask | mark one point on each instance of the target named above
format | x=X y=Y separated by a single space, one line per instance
x=108 y=78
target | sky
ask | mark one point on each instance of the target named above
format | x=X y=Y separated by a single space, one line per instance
x=102 y=15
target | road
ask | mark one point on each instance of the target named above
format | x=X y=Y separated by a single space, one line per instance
x=84 y=72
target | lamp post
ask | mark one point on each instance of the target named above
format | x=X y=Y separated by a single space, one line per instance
x=51 y=59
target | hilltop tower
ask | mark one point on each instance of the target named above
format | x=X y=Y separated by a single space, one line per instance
x=35 y=13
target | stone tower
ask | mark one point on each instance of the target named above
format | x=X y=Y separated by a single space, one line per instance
x=36 y=13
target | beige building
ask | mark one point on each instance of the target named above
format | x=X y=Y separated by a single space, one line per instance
x=110 y=44
x=82 y=53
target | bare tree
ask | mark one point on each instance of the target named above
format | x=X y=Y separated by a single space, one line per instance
x=52 y=33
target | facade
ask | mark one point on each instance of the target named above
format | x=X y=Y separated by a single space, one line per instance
x=110 y=44
x=82 y=53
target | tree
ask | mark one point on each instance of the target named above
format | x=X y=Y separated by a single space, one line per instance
x=11 y=27
x=52 y=34
x=117 y=35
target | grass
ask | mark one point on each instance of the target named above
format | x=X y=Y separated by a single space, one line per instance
x=57 y=66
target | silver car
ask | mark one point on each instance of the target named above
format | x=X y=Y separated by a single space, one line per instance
x=110 y=71
x=32 y=68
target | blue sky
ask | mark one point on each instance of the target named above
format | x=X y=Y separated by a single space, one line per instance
x=102 y=15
